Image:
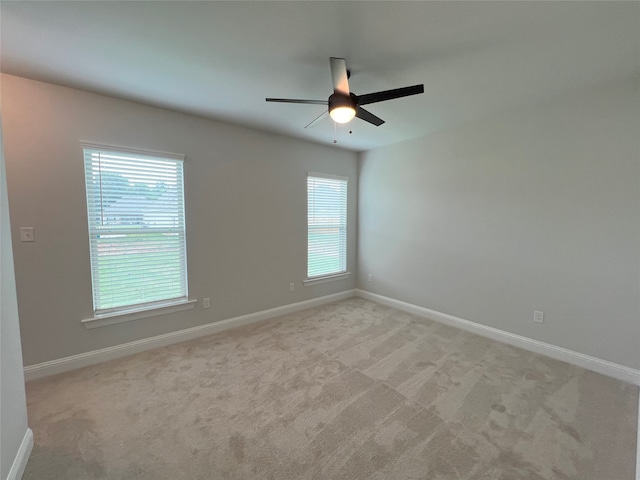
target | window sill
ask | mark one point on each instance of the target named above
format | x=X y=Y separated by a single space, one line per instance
x=136 y=314
x=326 y=279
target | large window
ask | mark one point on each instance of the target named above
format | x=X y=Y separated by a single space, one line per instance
x=135 y=206
x=327 y=225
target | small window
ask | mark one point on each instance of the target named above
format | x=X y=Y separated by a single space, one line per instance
x=135 y=207
x=327 y=225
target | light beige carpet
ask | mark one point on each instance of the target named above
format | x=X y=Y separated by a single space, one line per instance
x=351 y=390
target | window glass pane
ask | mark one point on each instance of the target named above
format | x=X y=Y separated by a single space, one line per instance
x=327 y=225
x=135 y=206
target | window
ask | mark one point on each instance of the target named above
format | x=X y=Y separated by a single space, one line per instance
x=135 y=207
x=327 y=225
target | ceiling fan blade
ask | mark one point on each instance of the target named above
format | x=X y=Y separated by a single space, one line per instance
x=390 y=94
x=295 y=100
x=317 y=120
x=339 y=75
x=367 y=116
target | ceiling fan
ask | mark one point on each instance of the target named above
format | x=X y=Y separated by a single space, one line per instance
x=343 y=104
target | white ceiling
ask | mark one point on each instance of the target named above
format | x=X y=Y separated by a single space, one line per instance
x=221 y=59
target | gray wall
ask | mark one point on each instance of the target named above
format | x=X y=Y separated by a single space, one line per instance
x=537 y=209
x=245 y=206
x=13 y=405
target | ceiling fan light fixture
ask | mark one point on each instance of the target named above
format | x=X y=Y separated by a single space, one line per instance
x=342 y=108
x=342 y=114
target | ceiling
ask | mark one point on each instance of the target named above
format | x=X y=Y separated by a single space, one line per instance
x=221 y=59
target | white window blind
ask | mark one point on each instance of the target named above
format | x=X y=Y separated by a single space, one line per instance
x=135 y=207
x=327 y=225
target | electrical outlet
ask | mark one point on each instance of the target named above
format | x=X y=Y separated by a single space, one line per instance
x=538 y=316
x=292 y=287
x=370 y=277
x=206 y=302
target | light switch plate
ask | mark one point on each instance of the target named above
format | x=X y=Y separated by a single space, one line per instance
x=27 y=235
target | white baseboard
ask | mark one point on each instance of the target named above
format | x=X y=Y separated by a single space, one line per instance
x=53 y=367
x=22 y=457
x=638 y=445
x=73 y=362
x=604 y=367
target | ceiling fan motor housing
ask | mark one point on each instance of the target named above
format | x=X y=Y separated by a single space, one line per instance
x=337 y=100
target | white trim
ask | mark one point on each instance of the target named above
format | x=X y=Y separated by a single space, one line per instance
x=65 y=364
x=22 y=456
x=135 y=314
x=327 y=175
x=137 y=151
x=325 y=279
x=604 y=367
x=638 y=445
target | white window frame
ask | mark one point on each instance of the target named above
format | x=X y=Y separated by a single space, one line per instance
x=132 y=311
x=342 y=273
